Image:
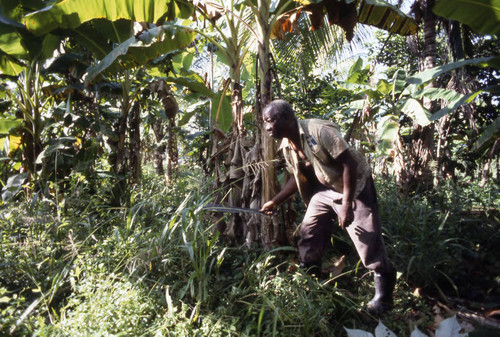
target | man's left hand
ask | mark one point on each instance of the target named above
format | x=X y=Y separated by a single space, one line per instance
x=346 y=215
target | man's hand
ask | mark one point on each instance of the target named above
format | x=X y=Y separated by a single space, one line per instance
x=269 y=208
x=346 y=215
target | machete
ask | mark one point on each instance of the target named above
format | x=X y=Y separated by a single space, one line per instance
x=230 y=209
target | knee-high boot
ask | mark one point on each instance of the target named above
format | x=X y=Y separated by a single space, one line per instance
x=384 y=287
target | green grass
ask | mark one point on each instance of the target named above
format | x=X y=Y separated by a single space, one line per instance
x=155 y=268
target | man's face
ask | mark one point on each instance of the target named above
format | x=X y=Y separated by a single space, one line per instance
x=275 y=126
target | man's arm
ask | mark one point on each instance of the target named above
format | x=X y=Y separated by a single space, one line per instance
x=346 y=215
x=288 y=190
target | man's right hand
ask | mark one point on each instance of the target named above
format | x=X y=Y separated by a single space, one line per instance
x=269 y=208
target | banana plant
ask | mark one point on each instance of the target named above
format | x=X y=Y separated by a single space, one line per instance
x=403 y=94
x=396 y=105
x=108 y=30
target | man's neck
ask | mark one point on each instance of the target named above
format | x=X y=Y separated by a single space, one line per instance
x=294 y=139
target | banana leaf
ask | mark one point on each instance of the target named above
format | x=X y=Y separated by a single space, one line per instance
x=71 y=14
x=160 y=40
x=482 y=16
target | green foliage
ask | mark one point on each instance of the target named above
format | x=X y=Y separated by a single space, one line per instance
x=436 y=238
x=149 y=269
x=72 y=14
x=482 y=15
x=144 y=48
x=157 y=266
x=105 y=304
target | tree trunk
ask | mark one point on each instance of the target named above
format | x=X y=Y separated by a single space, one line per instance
x=421 y=152
x=237 y=228
x=172 y=156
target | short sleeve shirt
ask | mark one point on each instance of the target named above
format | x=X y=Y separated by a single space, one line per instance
x=322 y=143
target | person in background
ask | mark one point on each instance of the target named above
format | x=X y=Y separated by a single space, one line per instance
x=332 y=178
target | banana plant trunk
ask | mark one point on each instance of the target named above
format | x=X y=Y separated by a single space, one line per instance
x=159 y=149
x=269 y=226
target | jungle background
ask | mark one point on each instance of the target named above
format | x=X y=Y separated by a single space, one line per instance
x=121 y=120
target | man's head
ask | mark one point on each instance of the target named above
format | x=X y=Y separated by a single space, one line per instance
x=279 y=119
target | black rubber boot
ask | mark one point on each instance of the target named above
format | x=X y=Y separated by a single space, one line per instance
x=384 y=287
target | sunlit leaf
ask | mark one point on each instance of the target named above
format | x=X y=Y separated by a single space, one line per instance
x=10 y=66
x=387 y=131
x=438 y=93
x=429 y=75
x=385 y=16
x=71 y=14
x=6 y=124
x=399 y=80
x=355 y=71
x=11 y=43
x=481 y=15
x=452 y=106
x=166 y=38
x=222 y=113
x=416 y=111
x=13 y=186
x=14 y=143
x=357 y=104
x=384 y=87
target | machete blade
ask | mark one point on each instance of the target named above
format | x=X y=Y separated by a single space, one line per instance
x=230 y=209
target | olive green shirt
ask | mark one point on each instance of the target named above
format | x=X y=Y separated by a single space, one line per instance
x=322 y=143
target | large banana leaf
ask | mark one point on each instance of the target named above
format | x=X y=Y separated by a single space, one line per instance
x=385 y=16
x=11 y=46
x=429 y=75
x=143 y=49
x=8 y=123
x=11 y=40
x=10 y=66
x=387 y=131
x=17 y=44
x=70 y=14
x=481 y=15
x=346 y=14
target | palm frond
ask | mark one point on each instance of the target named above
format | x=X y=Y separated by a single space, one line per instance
x=317 y=50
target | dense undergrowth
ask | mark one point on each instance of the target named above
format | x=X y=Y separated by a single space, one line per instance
x=77 y=267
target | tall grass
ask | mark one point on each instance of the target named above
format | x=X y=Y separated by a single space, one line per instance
x=437 y=238
x=157 y=268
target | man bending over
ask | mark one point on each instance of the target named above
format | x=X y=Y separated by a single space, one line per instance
x=332 y=178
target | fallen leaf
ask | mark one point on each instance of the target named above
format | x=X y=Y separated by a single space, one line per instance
x=336 y=268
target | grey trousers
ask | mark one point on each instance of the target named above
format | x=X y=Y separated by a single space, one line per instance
x=364 y=231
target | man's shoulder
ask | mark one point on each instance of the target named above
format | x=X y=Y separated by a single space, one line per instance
x=319 y=127
x=316 y=124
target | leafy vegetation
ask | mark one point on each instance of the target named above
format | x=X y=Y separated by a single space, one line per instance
x=156 y=267
x=120 y=120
